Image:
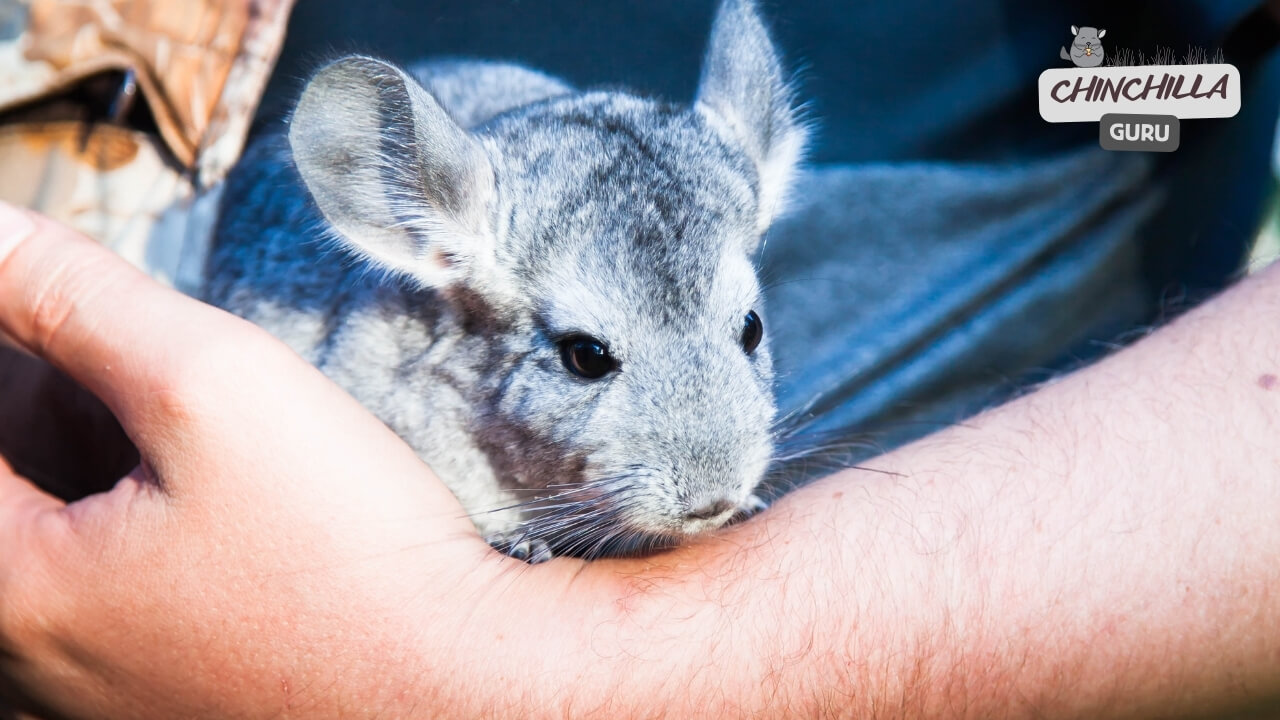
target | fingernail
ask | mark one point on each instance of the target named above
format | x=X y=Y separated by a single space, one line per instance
x=16 y=225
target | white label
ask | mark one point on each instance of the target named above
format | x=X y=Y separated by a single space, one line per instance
x=1183 y=91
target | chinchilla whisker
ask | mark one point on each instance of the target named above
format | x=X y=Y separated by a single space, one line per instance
x=830 y=450
x=806 y=280
x=579 y=533
x=592 y=542
x=570 y=539
x=600 y=543
x=532 y=503
x=593 y=486
x=801 y=409
x=864 y=468
x=557 y=523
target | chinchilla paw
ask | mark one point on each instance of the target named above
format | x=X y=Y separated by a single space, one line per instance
x=751 y=506
x=520 y=546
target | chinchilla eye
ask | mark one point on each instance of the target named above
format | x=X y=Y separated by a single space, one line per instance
x=586 y=357
x=752 y=332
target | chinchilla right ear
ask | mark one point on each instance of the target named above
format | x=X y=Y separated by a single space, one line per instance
x=744 y=85
x=397 y=178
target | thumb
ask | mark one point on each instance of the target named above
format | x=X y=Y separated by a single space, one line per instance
x=213 y=404
x=167 y=366
x=76 y=304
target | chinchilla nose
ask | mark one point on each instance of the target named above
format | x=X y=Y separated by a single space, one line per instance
x=710 y=509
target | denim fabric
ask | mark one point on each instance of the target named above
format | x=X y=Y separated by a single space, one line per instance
x=903 y=297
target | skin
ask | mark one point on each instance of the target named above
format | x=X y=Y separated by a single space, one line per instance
x=1104 y=547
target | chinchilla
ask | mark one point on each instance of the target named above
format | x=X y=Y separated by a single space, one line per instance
x=548 y=293
x=1086 y=47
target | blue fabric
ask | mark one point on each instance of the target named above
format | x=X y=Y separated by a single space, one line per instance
x=946 y=284
x=948 y=246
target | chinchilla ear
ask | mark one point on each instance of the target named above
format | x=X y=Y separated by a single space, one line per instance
x=1075 y=30
x=744 y=86
x=1102 y=34
x=392 y=172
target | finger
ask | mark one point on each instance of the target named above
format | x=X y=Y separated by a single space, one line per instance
x=14 y=488
x=21 y=503
x=150 y=353
x=190 y=384
x=76 y=304
x=123 y=336
x=19 y=498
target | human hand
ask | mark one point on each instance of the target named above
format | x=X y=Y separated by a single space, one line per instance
x=264 y=557
x=279 y=552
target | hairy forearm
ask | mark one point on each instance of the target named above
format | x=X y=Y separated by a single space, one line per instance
x=1105 y=547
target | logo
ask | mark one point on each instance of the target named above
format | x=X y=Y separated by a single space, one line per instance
x=1150 y=133
x=1138 y=101
x=1086 y=48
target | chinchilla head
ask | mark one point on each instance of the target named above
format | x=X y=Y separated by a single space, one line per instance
x=601 y=245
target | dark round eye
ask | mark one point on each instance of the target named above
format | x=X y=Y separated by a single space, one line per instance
x=586 y=357
x=752 y=332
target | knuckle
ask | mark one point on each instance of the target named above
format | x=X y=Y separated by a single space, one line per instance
x=183 y=379
x=50 y=306
x=62 y=286
x=190 y=380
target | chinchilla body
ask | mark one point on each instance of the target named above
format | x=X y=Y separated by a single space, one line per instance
x=548 y=293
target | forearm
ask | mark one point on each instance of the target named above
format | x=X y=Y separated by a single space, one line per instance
x=1106 y=546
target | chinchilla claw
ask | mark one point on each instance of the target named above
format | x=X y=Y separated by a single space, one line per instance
x=521 y=547
x=752 y=505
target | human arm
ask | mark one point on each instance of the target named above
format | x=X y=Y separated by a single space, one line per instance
x=1107 y=546
x=1094 y=549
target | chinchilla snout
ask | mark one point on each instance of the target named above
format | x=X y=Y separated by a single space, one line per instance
x=689 y=443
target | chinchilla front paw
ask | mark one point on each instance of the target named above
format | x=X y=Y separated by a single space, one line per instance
x=753 y=505
x=520 y=546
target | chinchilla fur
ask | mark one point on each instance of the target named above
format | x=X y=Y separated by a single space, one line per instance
x=432 y=239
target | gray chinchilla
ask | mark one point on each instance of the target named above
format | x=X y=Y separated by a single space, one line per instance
x=548 y=293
